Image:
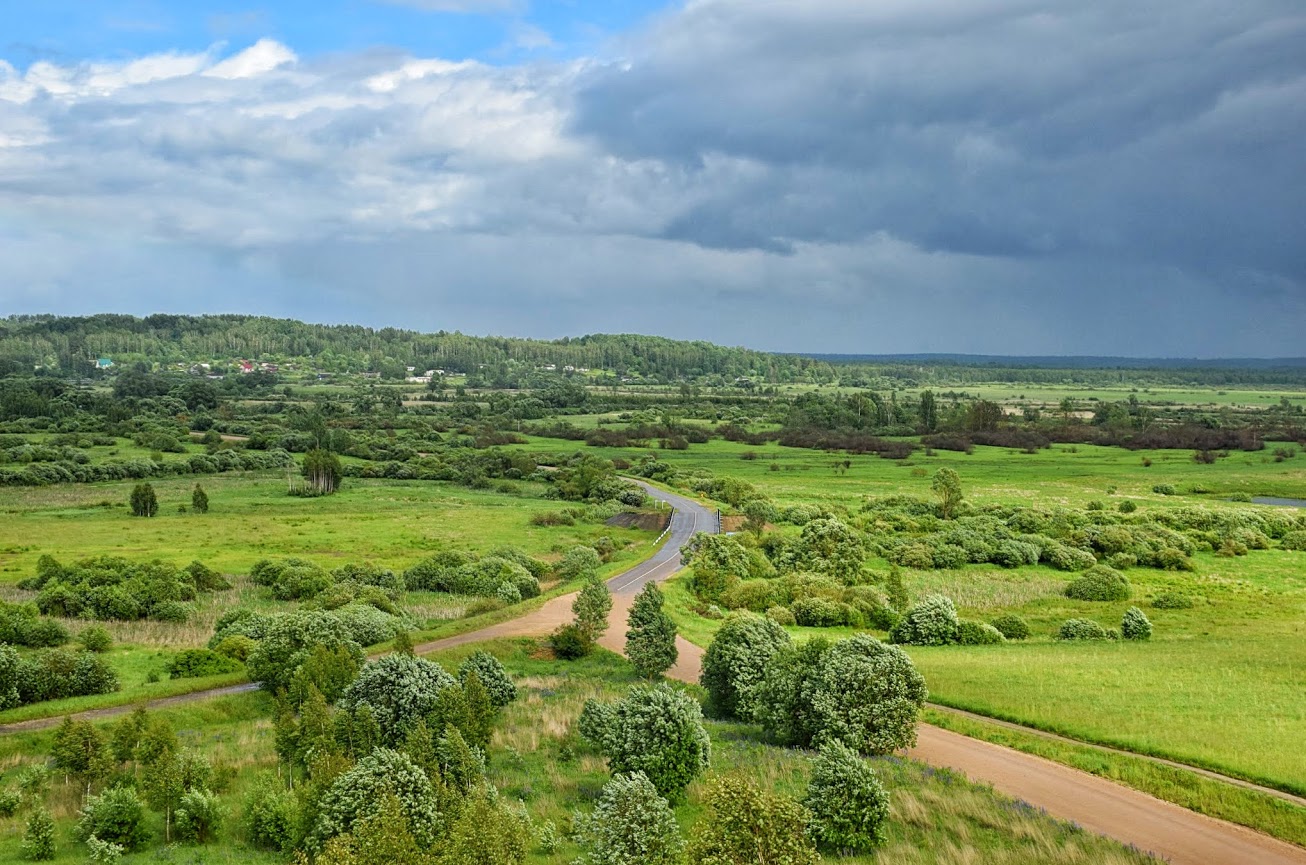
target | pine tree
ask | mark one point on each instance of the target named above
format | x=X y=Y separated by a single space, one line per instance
x=650 y=634
x=480 y=712
x=897 y=591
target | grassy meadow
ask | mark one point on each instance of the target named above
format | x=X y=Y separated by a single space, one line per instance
x=937 y=818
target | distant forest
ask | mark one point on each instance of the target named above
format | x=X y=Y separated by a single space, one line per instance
x=69 y=346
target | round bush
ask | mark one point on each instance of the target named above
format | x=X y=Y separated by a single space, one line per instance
x=978 y=634
x=849 y=805
x=1294 y=541
x=1173 y=601
x=655 y=730
x=1135 y=625
x=1099 y=583
x=1012 y=627
x=358 y=793
x=96 y=639
x=1082 y=629
x=570 y=642
x=736 y=659
x=400 y=690
x=1128 y=507
x=493 y=676
x=116 y=815
x=631 y=825
x=781 y=616
x=932 y=622
x=1164 y=489
x=819 y=613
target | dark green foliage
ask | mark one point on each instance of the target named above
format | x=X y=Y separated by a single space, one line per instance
x=487 y=831
x=737 y=659
x=1128 y=506
x=858 y=691
x=1082 y=629
x=570 y=642
x=199 y=500
x=848 y=804
x=498 y=684
x=1099 y=583
x=931 y=622
x=978 y=634
x=781 y=616
x=1135 y=625
x=591 y=608
x=79 y=750
x=193 y=663
x=22 y=625
x=270 y=816
x=399 y=690
x=359 y=791
x=1172 y=601
x=38 y=836
x=1164 y=489
x=112 y=588
x=116 y=815
x=289 y=639
x=656 y=730
x=896 y=590
x=96 y=639
x=144 y=503
x=51 y=674
x=1012 y=627
x=650 y=634
x=631 y=825
x=744 y=825
x=1294 y=541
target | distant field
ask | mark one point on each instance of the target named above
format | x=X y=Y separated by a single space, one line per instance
x=393 y=523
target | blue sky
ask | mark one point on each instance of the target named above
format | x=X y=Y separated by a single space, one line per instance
x=1097 y=177
x=494 y=31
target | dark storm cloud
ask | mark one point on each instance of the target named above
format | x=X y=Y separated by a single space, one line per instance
x=997 y=177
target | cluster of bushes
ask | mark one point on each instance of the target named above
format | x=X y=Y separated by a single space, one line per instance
x=811 y=600
x=52 y=674
x=1133 y=626
x=1099 y=583
x=505 y=573
x=195 y=663
x=23 y=625
x=299 y=579
x=933 y=621
x=65 y=471
x=113 y=588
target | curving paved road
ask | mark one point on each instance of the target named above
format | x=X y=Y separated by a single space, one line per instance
x=1177 y=834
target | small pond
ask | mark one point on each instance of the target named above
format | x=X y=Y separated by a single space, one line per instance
x=1274 y=500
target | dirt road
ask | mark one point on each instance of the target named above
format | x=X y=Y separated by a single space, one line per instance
x=1177 y=834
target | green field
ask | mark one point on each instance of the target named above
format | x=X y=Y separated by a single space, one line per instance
x=937 y=818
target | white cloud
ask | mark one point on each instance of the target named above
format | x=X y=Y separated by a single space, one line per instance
x=261 y=57
x=835 y=174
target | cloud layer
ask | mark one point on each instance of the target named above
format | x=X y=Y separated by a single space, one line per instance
x=836 y=175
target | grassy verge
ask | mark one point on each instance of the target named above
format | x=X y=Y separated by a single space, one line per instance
x=141 y=694
x=1250 y=808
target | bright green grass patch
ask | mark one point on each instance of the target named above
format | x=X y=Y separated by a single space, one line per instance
x=393 y=523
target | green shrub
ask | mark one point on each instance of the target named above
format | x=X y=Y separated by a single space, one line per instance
x=848 y=804
x=1082 y=629
x=1122 y=561
x=570 y=642
x=359 y=792
x=650 y=634
x=237 y=647
x=9 y=802
x=194 y=663
x=1135 y=625
x=1128 y=506
x=655 y=730
x=1172 y=601
x=270 y=816
x=199 y=816
x=630 y=825
x=399 y=690
x=38 y=836
x=754 y=595
x=1012 y=627
x=103 y=852
x=96 y=639
x=736 y=659
x=1094 y=506
x=1164 y=489
x=116 y=815
x=1240 y=497
x=782 y=616
x=978 y=634
x=931 y=622
x=744 y=824
x=1099 y=583
x=493 y=676
x=819 y=613
x=1294 y=541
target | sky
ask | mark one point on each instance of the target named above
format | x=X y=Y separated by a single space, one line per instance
x=858 y=176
